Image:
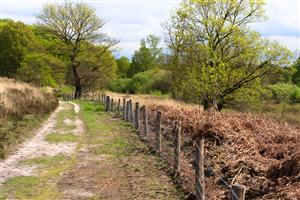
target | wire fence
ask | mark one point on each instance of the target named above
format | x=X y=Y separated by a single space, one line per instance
x=167 y=141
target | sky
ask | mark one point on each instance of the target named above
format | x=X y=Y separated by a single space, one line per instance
x=132 y=20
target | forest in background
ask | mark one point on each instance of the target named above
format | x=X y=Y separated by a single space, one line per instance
x=212 y=57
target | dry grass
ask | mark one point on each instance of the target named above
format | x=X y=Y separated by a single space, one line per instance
x=154 y=100
x=18 y=99
x=22 y=108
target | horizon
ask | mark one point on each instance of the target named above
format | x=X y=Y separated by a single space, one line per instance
x=130 y=21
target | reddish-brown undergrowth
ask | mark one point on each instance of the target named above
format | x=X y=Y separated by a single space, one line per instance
x=260 y=153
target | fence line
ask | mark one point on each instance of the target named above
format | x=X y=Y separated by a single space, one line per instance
x=161 y=141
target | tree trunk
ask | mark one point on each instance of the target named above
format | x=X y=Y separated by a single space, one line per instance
x=77 y=81
x=78 y=86
x=206 y=104
x=220 y=106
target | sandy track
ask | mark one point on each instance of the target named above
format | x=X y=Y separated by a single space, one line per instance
x=37 y=146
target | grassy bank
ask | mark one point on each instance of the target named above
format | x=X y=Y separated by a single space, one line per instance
x=22 y=108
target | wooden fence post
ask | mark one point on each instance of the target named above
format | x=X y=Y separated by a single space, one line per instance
x=119 y=102
x=199 y=171
x=131 y=112
x=112 y=105
x=158 y=131
x=177 y=143
x=99 y=96
x=124 y=109
x=238 y=192
x=127 y=111
x=145 y=123
x=136 y=116
x=107 y=104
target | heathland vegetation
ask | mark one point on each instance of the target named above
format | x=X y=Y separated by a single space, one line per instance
x=22 y=107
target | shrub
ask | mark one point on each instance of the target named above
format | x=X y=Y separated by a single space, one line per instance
x=139 y=83
x=120 y=85
x=296 y=94
x=285 y=92
x=64 y=89
x=148 y=82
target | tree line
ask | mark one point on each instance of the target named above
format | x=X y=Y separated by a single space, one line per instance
x=212 y=56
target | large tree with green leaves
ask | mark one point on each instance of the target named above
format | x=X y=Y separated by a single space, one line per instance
x=75 y=25
x=217 y=59
x=16 y=39
x=147 y=56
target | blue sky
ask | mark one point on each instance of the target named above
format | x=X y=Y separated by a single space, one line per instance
x=131 y=20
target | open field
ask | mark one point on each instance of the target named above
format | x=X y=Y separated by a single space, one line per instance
x=22 y=108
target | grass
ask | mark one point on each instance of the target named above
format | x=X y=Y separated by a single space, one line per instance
x=106 y=136
x=57 y=137
x=291 y=114
x=67 y=113
x=45 y=161
x=22 y=186
x=38 y=187
x=115 y=147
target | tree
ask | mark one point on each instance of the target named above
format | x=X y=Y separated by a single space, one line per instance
x=147 y=56
x=215 y=53
x=96 y=69
x=123 y=64
x=36 y=68
x=16 y=39
x=74 y=25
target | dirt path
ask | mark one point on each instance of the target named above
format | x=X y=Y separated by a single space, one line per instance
x=101 y=158
x=36 y=147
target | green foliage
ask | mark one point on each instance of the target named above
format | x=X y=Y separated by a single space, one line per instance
x=97 y=67
x=296 y=75
x=123 y=64
x=64 y=89
x=147 y=56
x=120 y=85
x=152 y=81
x=36 y=68
x=215 y=55
x=77 y=29
x=16 y=39
x=284 y=92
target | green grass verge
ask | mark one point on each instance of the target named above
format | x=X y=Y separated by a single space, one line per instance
x=57 y=137
x=45 y=161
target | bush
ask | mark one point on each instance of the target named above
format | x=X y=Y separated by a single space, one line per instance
x=139 y=83
x=149 y=82
x=64 y=89
x=285 y=92
x=120 y=85
x=296 y=95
